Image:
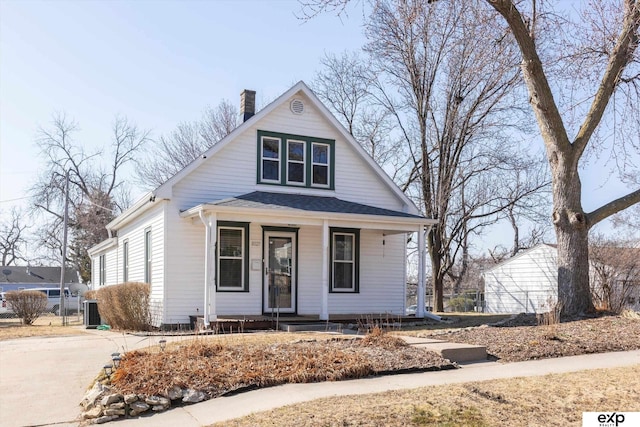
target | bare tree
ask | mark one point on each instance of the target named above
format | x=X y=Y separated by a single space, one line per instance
x=592 y=57
x=615 y=267
x=612 y=56
x=94 y=183
x=188 y=141
x=344 y=84
x=451 y=100
x=12 y=238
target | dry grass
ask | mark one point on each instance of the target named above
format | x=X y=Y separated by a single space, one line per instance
x=221 y=366
x=46 y=325
x=520 y=339
x=552 y=400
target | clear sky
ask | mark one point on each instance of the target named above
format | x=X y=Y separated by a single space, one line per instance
x=159 y=63
x=156 y=62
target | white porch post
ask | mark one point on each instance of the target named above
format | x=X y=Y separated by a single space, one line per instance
x=210 y=224
x=421 y=272
x=324 y=312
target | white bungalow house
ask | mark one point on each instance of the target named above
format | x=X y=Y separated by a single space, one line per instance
x=286 y=213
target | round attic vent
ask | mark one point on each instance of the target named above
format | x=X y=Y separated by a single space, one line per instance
x=297 y=106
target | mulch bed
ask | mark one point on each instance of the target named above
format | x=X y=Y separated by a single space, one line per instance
x=521 y=339
x=218 y=368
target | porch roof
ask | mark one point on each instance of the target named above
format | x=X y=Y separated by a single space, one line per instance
x=304 y=205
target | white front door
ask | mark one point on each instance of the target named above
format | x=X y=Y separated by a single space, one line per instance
x=280 y=272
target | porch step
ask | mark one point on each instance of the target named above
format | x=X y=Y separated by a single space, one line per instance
x=311 y=326
x=453 y=351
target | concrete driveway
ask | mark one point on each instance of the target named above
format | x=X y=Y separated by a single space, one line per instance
x=43 y=379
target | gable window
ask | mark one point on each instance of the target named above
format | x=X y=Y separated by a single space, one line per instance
x=320 y=164
x=232 y=257
x=345 y=249
x=147 y=255
x=125 y=261
x=295 y=160
x=270 y=159
x=102 y=270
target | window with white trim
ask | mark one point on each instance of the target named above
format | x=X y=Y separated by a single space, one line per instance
x=270 y=154
x=102 y=270
x=125 y=261
x=232 y=257
x=296 y=170
x=147 y=255
x=320 y=164
x=345 y=260
x=295 y=160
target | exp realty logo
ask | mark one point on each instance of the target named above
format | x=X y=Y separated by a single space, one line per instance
x=610 y=419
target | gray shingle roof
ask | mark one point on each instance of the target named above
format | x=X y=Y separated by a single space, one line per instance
x=284 y=201
x=36 y=275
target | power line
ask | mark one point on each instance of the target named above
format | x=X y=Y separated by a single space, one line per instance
x=13 y=200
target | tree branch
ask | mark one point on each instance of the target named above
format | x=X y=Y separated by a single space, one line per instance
x=612 y=207
x=621 y=56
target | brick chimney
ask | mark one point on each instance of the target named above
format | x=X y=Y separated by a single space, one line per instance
x=247 y=104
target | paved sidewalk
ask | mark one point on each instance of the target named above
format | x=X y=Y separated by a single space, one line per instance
x=226 y=408
x=42 y=381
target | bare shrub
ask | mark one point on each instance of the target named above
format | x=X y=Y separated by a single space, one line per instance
x=27 y=305
x=91 y=295
x=126 y=306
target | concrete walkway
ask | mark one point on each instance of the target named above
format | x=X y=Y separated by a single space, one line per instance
x=42 y=381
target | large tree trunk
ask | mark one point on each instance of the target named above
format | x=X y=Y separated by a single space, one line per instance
x=572 y=230
x=437 y=278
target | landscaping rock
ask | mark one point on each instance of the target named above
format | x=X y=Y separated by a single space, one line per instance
x=159 y=408
x=94 y=412
x=138 y=407
x=175 y=393
x=105 y=419
x=130 y=398
x=95 y=393
x=118 y=412
x=111 y=398
x=119 y=405
x=158 y=401
x=193 y=396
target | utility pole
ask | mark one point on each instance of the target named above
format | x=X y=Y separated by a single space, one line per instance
x=64 y=247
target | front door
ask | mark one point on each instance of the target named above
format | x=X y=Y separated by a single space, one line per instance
x=280 y=272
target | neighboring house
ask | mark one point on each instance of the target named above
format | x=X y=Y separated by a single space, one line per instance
x=14 y=278
x=286 y=214
x=528 y=282
x=525 y=283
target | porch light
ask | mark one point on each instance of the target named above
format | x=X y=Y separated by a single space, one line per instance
x=108 y=369
x=163 y=344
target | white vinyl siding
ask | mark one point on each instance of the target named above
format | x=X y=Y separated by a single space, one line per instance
x=232 y=170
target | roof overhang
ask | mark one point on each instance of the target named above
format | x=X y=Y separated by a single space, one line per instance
x=103 y=246
x=145 y=203
x=280 y=209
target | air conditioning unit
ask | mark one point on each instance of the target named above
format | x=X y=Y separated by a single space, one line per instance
x=91 y=314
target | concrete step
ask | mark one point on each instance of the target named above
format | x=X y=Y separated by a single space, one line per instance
x=311 y=326
x=453 y=351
